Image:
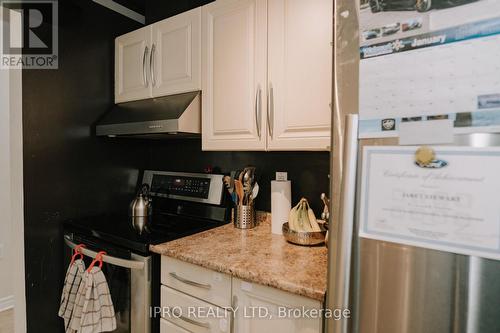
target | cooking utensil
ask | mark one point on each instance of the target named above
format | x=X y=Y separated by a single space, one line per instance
x=248 y=183
x=246 y=186
x=233 y=175
x=249 y=174
x=247 y=189
x=244 y=212
x=239 y=191
x=325 y=215
x=229 y=183
x=255 y=191
x=246 y=175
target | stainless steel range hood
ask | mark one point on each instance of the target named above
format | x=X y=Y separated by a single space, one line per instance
x=162 y=117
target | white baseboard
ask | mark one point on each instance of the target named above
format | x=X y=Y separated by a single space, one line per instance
x=6 y=303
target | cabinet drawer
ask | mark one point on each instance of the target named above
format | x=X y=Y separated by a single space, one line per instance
x=168 y=327
x=193 y=314
x=277 y=303
x=208 y=285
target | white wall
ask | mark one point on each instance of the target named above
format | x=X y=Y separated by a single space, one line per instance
x=16 y=195
x=6 y=270
x=12 y=279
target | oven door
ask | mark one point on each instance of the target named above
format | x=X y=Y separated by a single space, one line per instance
x=129 y=279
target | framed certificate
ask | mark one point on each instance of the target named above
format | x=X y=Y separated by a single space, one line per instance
x=452 y=203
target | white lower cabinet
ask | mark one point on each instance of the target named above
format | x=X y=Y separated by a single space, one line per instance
x=168 y=327
x=265 y=309
x=197 y=299
x=192 y=314
x=197 y=281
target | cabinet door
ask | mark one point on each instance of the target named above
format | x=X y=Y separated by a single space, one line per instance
x=132 y=51
x=300 y=74
x=234 y=71
x=197 y=281
x=265 y=309
x=192 y=314
x=176 y=54
x=168 y=327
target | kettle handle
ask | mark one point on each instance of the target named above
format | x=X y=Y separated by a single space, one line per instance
x=144 y=190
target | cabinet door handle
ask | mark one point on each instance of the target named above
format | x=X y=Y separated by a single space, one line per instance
x=235 y=301
x=144 y=73
x=152 y=66
x=258 y=111
x=234 y=305
x=191 y=283
x=270 y=110
x=177 y=313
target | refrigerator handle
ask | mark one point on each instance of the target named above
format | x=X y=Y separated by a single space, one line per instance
x=342 y=232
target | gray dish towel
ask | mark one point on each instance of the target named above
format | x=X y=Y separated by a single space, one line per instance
x=94 y=311
x=72 y=282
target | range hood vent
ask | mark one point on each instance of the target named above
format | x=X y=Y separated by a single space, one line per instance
x=160 y=117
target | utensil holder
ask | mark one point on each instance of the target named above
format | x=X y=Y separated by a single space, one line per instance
x=244 y=216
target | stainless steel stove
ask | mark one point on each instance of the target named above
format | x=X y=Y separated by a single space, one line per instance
x=183 y=204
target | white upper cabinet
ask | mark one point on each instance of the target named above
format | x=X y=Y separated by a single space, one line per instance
x=176 y=54
x=234 y=75
x=264 y=68
x=132 y=52
x=267 y=68
x=300 y=74
x=160 y=59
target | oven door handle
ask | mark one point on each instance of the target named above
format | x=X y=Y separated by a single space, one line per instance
x=131 y=264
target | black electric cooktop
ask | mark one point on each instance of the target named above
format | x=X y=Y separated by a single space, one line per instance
x=117 y=229
x=184 y=204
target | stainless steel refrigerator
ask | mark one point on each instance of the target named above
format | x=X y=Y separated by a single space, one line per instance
x=390 y=287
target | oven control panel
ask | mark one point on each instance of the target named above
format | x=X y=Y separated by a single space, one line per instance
x=197 y=187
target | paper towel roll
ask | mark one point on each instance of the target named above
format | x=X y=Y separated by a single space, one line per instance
x=281 y=203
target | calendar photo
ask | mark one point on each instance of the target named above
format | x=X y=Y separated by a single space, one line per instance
x=446 y=55
x=383 y=21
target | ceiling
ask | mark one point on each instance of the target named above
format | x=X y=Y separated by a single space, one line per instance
x=138 y=6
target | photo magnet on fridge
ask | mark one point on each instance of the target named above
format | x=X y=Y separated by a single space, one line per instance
x=388 y=124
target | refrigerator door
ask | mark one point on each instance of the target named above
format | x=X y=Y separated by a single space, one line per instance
x=406 y=289
x=343 y=155
x=393 y=288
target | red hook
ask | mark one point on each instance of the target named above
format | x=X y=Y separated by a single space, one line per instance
x=98 y=258
x=77 y=250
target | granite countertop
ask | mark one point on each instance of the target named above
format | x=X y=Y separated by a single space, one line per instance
x=255 y=255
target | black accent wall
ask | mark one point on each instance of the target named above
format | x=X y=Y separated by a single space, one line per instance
x=157 y=10
x=68 y=172
x=308 y=171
